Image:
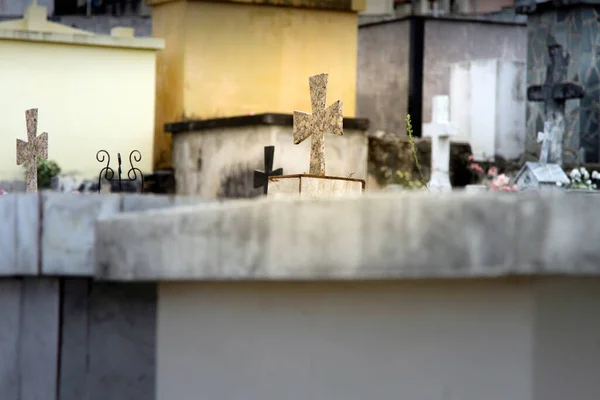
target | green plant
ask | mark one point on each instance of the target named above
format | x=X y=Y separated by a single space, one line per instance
x=411 y=140
x=46 y=170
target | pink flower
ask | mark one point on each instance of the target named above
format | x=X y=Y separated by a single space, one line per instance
x=470 y=158
x=478 y=170
x=2 y=192
x=493 y=171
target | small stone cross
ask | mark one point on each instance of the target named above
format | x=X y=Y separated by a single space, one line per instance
x=546 y=139
x=36 y=146
x=440 y=130
x=316 y=124
x=261 y=178
x=554 y=93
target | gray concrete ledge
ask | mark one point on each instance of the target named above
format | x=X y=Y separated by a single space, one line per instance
x=375 y=236
x=51 y=233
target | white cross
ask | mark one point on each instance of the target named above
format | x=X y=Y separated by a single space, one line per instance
x=440 y=130
x=546 y=139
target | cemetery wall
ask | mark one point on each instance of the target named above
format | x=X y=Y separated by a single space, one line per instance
x=383 y=73
x=62 y=333
x=92 y=94
x=220 y=162
x=451 y=41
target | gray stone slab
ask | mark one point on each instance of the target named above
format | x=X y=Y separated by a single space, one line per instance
x=68 y=231
x=375 y=236
x=19 y=234
x=122 y=341
x=74 y=341
x=38 y=348
x=10 y=329
x=143 y=202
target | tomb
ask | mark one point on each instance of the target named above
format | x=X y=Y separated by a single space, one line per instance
x=84 y=105
x=218 y=106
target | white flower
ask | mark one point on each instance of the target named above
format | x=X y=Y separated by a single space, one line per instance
x=588 y=182
x=585 y=173
x=559 y=184
x=575 y=174
x=595 y=175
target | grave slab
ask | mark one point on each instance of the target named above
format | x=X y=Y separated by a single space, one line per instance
x=314 y=186
x=373 y=236
x=19 y=234
x=68 y=231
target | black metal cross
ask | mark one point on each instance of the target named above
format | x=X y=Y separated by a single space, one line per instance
x=554 y=93
x=261 y=178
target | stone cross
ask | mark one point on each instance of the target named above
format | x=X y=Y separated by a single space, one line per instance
x=261 y=178
x=546 y=139
x=440 y=130
x=316 y=124
x=554 y=93
x=36 y=146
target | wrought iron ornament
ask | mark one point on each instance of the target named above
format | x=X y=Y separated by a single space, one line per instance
x=261 y=178
x=109 y=173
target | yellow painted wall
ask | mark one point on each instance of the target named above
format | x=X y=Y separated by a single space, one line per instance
x=89 y=98
x=167 y=23
x=238 y=59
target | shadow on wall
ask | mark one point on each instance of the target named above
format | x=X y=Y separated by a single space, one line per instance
x=238 y=183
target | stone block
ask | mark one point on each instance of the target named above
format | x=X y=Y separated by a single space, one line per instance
x=68 y=231
x=373 y=236
x=19 y=234
x=143 y=202
x=314 y=186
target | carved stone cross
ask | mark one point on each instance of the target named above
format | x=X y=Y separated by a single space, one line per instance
x=546 y=139
x=36 y=146
x=440 y=130
x=554 y=93
x=316 y=124
x=261 y=178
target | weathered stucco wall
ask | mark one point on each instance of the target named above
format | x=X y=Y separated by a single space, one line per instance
x=383 y=71
x=448 y=42
x=220 y=162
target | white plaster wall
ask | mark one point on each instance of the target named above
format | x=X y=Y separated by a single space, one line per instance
x=487 y=105
x=225 y=151
x=340 y=341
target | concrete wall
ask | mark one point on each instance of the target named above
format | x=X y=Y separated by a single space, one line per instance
x=64 y=336
x=436 y=341
x=70 y=339
x=89 y=98
x=448 y=42
x=383 y=71
x=464 y=340
x=221 y=162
